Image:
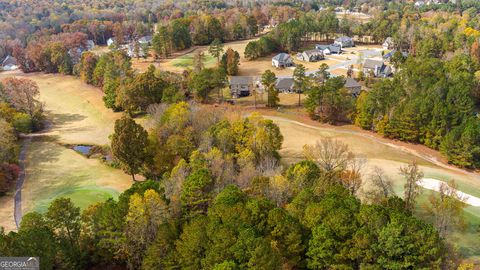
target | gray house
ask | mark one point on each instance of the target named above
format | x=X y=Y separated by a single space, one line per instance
x=90 y=44
x=377 y=67
x=145 y=40
x=282 y=60
x=329 y=49
x=240 y=86
x=353 y=86
x=311 y=55
x=344 y=42
x=285 y=85
x=76 y=54
x=388 y=56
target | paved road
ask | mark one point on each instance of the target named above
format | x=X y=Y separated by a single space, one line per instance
x=21 y=178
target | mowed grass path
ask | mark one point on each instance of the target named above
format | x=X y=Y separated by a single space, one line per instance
x=389 y=157
x=76 y=115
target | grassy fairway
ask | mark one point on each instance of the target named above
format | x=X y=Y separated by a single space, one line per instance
x=389 y=157
x=186 y=61
x=75 y=109
x=55 y=171
x=76 y=115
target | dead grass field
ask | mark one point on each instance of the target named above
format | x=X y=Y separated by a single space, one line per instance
x=7 y=220
x=75 y=109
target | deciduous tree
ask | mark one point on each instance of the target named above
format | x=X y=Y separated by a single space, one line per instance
x=412 y=189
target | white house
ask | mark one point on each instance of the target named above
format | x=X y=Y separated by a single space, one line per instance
x=344 y=42
x=329 y=49
x=9 y=63
x=132 y=51
x=110 y=41
x=282 y=60
x=388 y=44
x=419 y=4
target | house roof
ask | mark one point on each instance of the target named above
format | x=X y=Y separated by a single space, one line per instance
x=281 y=57
x=344 y=39
x=372 y=63
x=351 y=83
x=391 y=53
x=241 y=80
x=313 y=52
x=387 y=70
x=331 y=48
x=9 y=60
x=90 y=43
x=284 y=83
x=145 y=39
x=389 y=40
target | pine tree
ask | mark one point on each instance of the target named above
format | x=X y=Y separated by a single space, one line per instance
x=268 y=81
x=299 y=80
x=216 y=49
x=129 y=144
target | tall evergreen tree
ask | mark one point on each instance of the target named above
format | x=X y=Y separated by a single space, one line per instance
x=268 y=81
x=129 y=143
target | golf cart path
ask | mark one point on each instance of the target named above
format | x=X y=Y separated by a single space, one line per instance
x=17 y=213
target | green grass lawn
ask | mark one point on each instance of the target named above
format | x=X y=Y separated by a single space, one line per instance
x=186 y=61
x=55 y=171
x=81 y=197
x=464 y=240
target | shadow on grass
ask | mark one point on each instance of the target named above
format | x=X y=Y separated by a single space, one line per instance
x=64 y=118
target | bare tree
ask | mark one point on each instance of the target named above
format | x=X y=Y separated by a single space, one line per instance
x=173 y=186
x=351 y=178
x=330 y=155
x=337 y=163
x=447 y=208
x=269 y=166
x=381 y=187
x=412 y=175
x=222 y=168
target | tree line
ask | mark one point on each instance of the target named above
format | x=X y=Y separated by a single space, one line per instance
x=20 y=112
x=220 y=200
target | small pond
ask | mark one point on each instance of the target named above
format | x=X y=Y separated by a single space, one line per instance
x=83 y=149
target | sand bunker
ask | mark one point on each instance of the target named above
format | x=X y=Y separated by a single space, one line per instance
x=434 y=184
